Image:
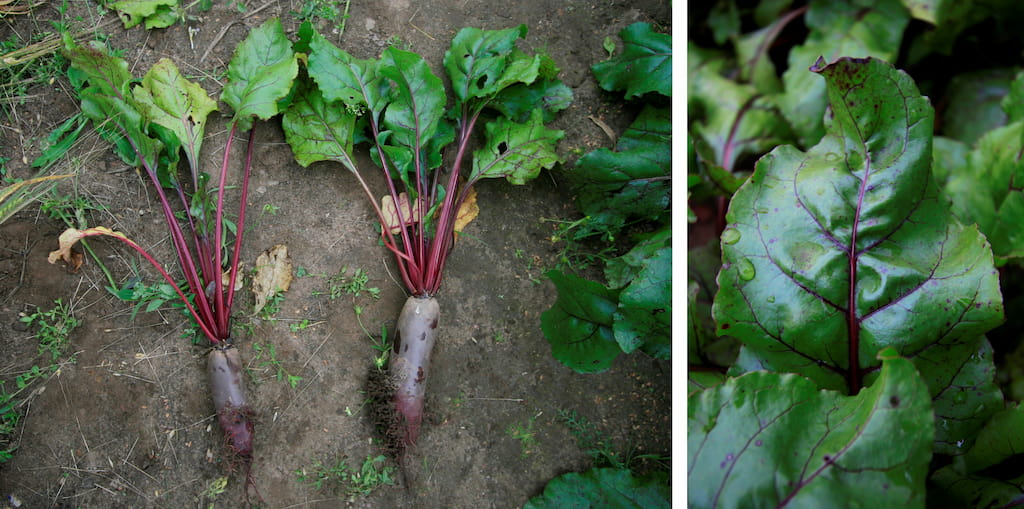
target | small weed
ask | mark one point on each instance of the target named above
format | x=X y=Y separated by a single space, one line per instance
x=327 y=10
x=593 y=443
x=10 y=403
x=590 y=440
x=301 y=325
x=457 y=401
x=525 y=434
x=272 y=307
x=339 y=477
x=270 y=209
x=499 y=338
x=382 y=345
x=216 y=488
x=341 y=284
x=54 y=328
x=575 y=236
x=266 y=358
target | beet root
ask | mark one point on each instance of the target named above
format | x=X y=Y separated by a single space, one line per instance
x=410 y=362
x=233 y=411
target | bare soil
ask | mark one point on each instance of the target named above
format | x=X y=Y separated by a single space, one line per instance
x=129 y=421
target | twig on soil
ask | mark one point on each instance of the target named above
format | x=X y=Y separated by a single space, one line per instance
x=514 y=400
x=224 y=31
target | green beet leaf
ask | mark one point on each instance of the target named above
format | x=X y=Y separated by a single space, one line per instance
x=108 y=102
x=155 y=13
x=774 y=440
x=604 y=488
x=178 y=105
x=633 y=181
x=979 y=478
x=317 y=130
x=516 y=152
x=834 y=254
x=734 y=119
x=857 y=28
x=478 y=61
x=260 y=74
x=986 y=186
x=645 y=64
x=579 y=326
x=974 y=103
x=644 y=318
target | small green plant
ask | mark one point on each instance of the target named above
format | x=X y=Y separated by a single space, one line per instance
x=214 y=489
x=54 y=328
x=300 y=325
x=525 y=434
x=266 y=359
x=272 y=307
x=339 y=477
x=341 y=283
x=591 y=441
x=11 y=402
x=382 y=346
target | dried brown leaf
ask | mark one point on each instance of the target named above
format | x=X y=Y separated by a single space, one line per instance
x=273 y=275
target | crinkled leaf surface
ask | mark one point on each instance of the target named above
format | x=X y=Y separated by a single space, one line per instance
x=260 y=74
x=705 y=348
x=179 y=105
x=516 y=152
x=974 y=103
x=579 y=325
x=834 y=254
x=317 y=130
x=342 y=77
x=632 y=181
x=477 y=60
x=644 y=318
x=856 y=28
x=734 y=120
x=989 y=189
x=153 y=12
x=977 y=479
x=772 y=440
x=605 y=488
x=645 y=64
x=517 y=102
x=108 y=102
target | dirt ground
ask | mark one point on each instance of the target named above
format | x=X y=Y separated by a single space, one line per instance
x=130 y=422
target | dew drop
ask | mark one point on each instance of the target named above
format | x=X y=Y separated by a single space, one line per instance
x=771 y=299
x=730 y=235
x=745 y=269
x=960 y=398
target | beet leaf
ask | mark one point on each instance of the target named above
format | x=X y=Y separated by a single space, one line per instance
x=779 y=440
x=834 y=254
x=402 y=104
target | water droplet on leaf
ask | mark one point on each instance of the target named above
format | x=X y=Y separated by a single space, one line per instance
x=745 y=269
x=960 y=398
x=771 y=299
x=730 y=236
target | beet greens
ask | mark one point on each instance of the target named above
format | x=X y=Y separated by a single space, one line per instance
x=401 y=105
x=150 y=122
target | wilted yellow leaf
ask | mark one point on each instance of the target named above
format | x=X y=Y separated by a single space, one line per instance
x=467 y=211
x=273 y=274
x=70 y=237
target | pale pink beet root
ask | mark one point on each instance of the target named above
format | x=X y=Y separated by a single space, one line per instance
x=410 y=362
x=233 y=411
